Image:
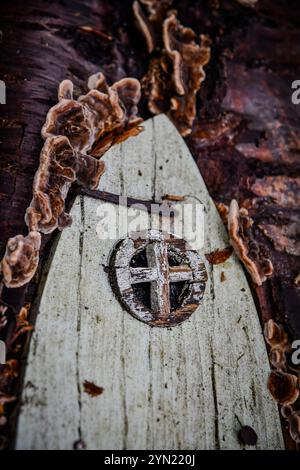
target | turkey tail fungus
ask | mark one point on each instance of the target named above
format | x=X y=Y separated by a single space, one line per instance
x=176 y=70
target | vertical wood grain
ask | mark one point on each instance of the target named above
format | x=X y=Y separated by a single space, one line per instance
x=186 y=387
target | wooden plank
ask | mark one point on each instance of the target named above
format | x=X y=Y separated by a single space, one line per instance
x=157 y=255
x=50 y=395
x=188 y=387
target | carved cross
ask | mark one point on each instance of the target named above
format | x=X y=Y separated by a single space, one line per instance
x=160 y=274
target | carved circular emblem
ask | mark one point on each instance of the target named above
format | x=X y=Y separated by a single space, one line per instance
x=158 y=277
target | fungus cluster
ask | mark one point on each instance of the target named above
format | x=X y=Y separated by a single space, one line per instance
x=150 y=22
x=77 y=132
x=60 y=165
x=97 y=120
x=21 y=259
x=11 y=369
x=284 y=379
x=248 y=251
x=176 y=68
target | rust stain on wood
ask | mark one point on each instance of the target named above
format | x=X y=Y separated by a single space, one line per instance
x=91 y=389
x=219 y=256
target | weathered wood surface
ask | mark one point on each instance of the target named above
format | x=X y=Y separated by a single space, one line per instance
x=159 y=249
x=188 y=387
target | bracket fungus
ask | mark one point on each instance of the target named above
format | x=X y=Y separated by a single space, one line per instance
x=122 y=120
x=150 y=22
x=60 y=165
x=185 y=59
x=294 y=426
x=103 y=114
x=284 y=379
x=51 y=182
x=277 y=339
x=21 y=259
x=71 y=119
x=239 y=226
x=75 y=133
x=176 y=69
x=283 y=387
x=275 y=335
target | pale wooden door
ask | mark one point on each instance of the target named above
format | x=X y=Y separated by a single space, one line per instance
x=187 y=387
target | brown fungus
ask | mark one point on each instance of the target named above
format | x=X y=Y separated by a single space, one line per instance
x=183 y=53
x=278 y=358
x=157 y=9
x=5 y=398
x=175 y=73
x=284 y=381
x=93 y=123
x=89 y=171
x=129 y=93
x=186 y=60
x=223 y=210
x=56 y=172
x=239 y=225
x=297 y=280
x=99 y=117
x=104 y=116
x=60 y=165
x=149 y=16
x=21 y=259
x=97 y=82
x=116 y=112
x=275 y=334
x=143 y=25
x=65 y=90
x=286 y=411
x=71 y=119
x=294 y=426
x=283 y=387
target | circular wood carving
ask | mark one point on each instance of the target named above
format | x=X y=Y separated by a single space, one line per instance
x=158 y=277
